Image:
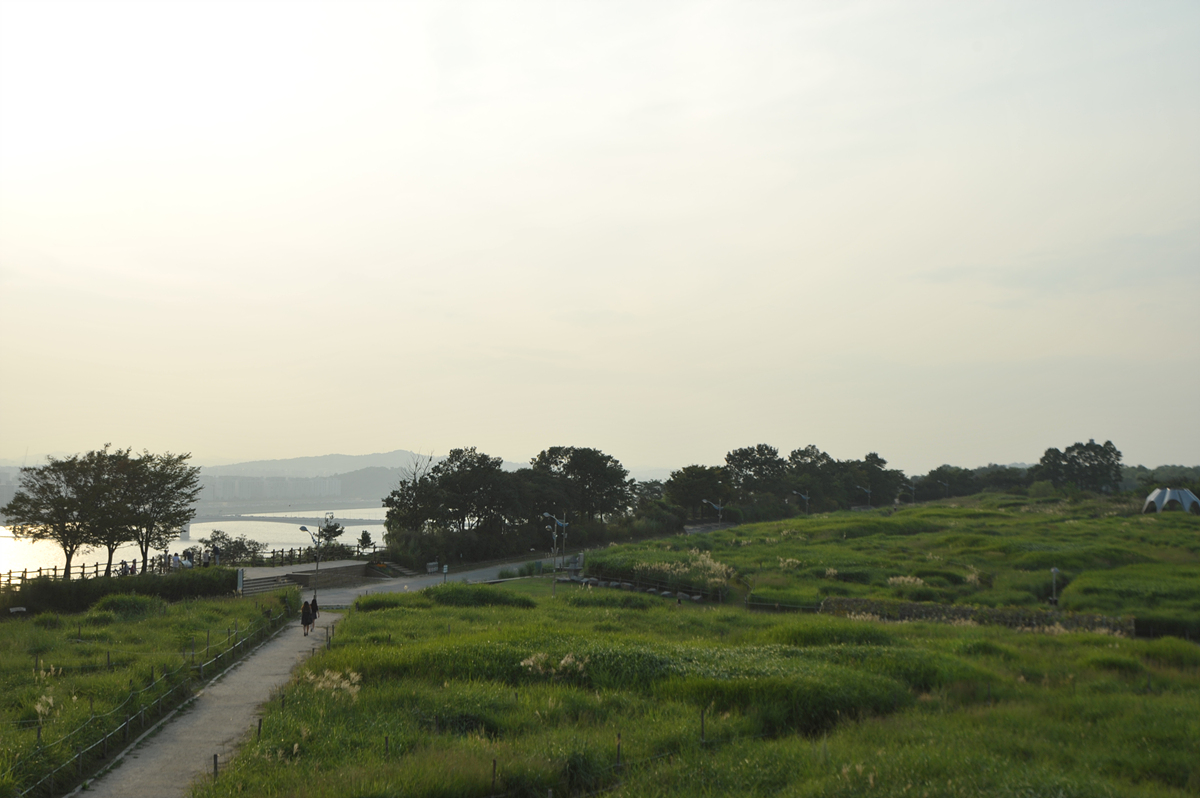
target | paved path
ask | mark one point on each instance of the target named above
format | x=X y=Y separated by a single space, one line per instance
x=165 y=761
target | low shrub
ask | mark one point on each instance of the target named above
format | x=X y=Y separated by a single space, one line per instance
x=984 y=648
x=388 y=601
x=622 y=600
x=1173 y=652
x=77 y=595
x=808 y=704
x=459 y=595
x=830 y=632
x=130 y=605
x=1116 y=663
x=921 y=670
x=49 y=620
x=101 y=618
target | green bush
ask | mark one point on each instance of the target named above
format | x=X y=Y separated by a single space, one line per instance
x=622 y=600
x=1173 y=652
x=984 y=648
x=130 y=605
x=823 y=631
x=49 y=620
x=388 y=601
x=808 y=704
x=1113 y=662
x=77 y=595
x=458 y=595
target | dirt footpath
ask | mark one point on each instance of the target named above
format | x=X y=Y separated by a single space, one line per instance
x=166 y=761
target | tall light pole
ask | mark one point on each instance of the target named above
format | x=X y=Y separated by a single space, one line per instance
x=946 y=485
x=912 y=491
x=559 y=523
x=316 y=540
x=802 y=496
x=719 y=508
x=866 y=491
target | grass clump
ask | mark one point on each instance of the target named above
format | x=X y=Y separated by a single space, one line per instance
x=460 y=595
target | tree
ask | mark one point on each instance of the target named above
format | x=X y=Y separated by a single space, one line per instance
x=945 y=481
x=51 y=504
x=596 y=484
x=110 y=480
x=104 y=499
x=1085 y=466
x=239 y=549
x=691 y=486
x=162 y=499
x=755 y=469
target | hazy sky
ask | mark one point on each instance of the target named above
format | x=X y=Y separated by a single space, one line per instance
x=947 y=232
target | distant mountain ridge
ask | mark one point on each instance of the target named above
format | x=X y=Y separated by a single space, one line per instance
x=325 y=465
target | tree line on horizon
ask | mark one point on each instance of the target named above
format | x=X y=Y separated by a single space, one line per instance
x=467 y=507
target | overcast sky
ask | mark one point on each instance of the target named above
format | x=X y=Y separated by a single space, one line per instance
x=946 y=232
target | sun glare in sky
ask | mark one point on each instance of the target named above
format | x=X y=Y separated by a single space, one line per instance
x=955 y=232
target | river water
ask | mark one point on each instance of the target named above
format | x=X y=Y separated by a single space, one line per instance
x=16 y=555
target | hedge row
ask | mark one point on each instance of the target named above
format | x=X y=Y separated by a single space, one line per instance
x=76 y=595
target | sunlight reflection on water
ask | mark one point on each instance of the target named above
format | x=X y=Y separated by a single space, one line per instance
x=16 y=555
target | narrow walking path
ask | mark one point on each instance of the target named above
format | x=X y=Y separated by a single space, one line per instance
x=165 y=762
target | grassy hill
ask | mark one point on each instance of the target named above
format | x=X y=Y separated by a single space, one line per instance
x=992 y=550
x=518 y=690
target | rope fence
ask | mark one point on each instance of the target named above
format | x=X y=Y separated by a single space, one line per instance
x=98 y=735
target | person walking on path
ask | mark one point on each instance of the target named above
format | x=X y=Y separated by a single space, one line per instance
x=306 y=618
x=316 y=613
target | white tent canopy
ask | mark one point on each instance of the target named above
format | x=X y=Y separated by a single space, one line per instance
x=1163 y=496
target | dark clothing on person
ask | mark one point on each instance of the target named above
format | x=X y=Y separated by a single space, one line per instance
x=306 y=617
x=315 y=612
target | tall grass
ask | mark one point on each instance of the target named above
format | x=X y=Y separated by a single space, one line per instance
x=717 y=701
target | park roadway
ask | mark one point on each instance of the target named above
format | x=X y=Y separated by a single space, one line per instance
x=176 y=752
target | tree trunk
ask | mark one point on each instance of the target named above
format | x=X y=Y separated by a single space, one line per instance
x=70 y=553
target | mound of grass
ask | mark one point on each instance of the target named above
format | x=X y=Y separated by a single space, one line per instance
x=1116 y=663
x=825 y=631
x=984 y=648
x=387 y=601
x=77 y=595
x=621 y=600
x=808 y=704
x=1173 y=652
x=127 y=606
x=460 y=595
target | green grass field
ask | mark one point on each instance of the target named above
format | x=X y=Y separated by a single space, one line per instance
x=526 y=688
x=993 y=550
x=76 y=677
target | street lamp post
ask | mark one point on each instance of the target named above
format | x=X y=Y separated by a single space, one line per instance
x=866 y=491
x=719 y=508
x=946 y=485
x=802 y=496
x=912 y=490
x=559 y=523
x=316 y=540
